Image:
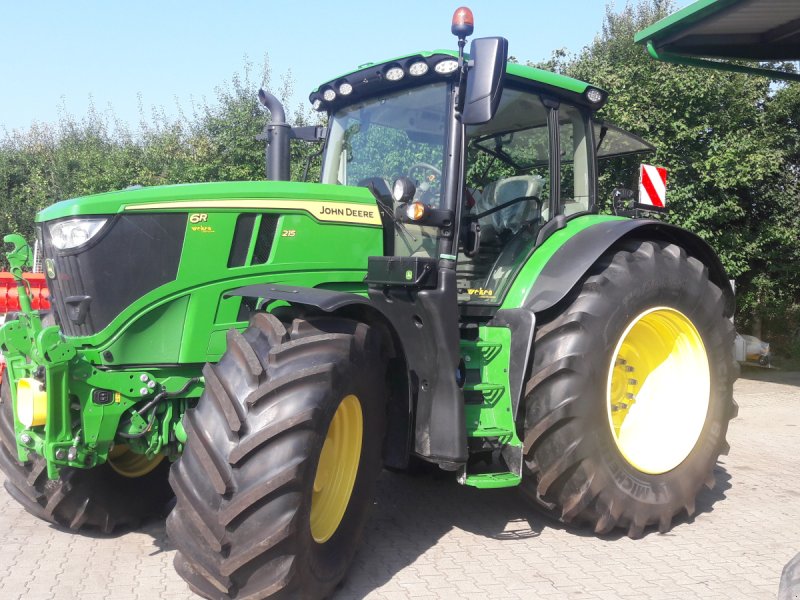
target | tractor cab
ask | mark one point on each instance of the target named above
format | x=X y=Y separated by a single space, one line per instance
x=483 y=192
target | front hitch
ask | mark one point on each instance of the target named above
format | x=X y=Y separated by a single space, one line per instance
x=72 y=413
x=37 y=361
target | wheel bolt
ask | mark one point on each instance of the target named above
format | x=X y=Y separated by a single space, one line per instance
x=143 y=378
x=60 y=454
x=151 y=384
x=72 y=454
x=143 y=392
x=632 y=382
x=25 y=439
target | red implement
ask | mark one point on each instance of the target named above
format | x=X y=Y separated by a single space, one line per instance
x=9 y=298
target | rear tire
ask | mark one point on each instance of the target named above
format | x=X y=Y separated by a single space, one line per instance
x=96 y=498
x=576 y=466
x=250 y=520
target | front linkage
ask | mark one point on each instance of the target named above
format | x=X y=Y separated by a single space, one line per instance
x=72 y=413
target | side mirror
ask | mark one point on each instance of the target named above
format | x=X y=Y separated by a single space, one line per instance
x=488 y=58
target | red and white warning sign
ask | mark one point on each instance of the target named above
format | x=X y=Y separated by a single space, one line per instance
x=653 y=186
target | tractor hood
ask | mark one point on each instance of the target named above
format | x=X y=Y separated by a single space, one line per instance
x=326 y=203
x=140 y=275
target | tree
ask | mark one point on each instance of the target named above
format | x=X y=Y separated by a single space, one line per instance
x=75 y=157
x=731 y=145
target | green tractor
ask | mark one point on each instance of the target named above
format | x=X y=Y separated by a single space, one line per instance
x=448 y=294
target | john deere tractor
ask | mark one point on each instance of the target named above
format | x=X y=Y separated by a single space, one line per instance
x=447 y=293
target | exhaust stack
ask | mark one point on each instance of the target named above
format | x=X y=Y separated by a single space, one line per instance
x=276 y=134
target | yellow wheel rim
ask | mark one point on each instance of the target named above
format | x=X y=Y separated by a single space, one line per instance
x=336 y=470
x=658 y=390
x=130 y=464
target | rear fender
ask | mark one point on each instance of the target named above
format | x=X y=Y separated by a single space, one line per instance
x=570 y=263
x=577 y=255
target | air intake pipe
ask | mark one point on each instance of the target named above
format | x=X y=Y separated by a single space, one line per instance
x=276 y=134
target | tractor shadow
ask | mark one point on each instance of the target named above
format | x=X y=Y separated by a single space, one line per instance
x=411 y=515
x=154 y=526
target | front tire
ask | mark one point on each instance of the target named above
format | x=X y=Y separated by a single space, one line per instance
x=280 y=466
x=630 y=392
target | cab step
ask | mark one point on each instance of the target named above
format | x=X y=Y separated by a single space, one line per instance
x=493 y=480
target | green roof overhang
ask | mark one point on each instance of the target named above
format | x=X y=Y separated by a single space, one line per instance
x=756 y=30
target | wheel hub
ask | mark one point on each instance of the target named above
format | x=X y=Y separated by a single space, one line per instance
x=337 y=469
x=130 y=464
x=658 y=390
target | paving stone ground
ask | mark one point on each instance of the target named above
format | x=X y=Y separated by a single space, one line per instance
x=431 y=538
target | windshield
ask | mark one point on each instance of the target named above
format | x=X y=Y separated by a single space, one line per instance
x=390 y=136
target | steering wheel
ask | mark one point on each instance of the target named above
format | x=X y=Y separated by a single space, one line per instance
x=426 y=187
x=423 y=165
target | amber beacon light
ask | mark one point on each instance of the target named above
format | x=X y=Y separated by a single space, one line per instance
x=463 y=22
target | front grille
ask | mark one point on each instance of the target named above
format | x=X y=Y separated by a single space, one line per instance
x=132 y=256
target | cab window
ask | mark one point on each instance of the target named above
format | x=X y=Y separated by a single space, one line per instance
x=509 y=187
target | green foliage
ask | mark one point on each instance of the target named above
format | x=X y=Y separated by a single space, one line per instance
x=97 y=153
x=731 y=144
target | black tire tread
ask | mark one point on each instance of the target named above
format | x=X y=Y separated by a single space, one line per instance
x=221 y=552
x=561 y=472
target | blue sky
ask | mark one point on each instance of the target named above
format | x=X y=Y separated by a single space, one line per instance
x=58 y=55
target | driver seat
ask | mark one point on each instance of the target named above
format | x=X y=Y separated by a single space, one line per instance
x=501 y=191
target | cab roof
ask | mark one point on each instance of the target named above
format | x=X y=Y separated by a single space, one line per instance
x=369 y=79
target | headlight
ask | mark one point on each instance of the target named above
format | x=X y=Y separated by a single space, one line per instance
x=594 y=95
x=74 y=232
x=403 y=190
x=418 y=68
x=395 y=74
x=445 y=67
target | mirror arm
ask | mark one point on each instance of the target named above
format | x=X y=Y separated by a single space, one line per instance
x=462 y=77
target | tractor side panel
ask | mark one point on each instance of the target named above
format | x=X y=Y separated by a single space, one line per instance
x=186 y=319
